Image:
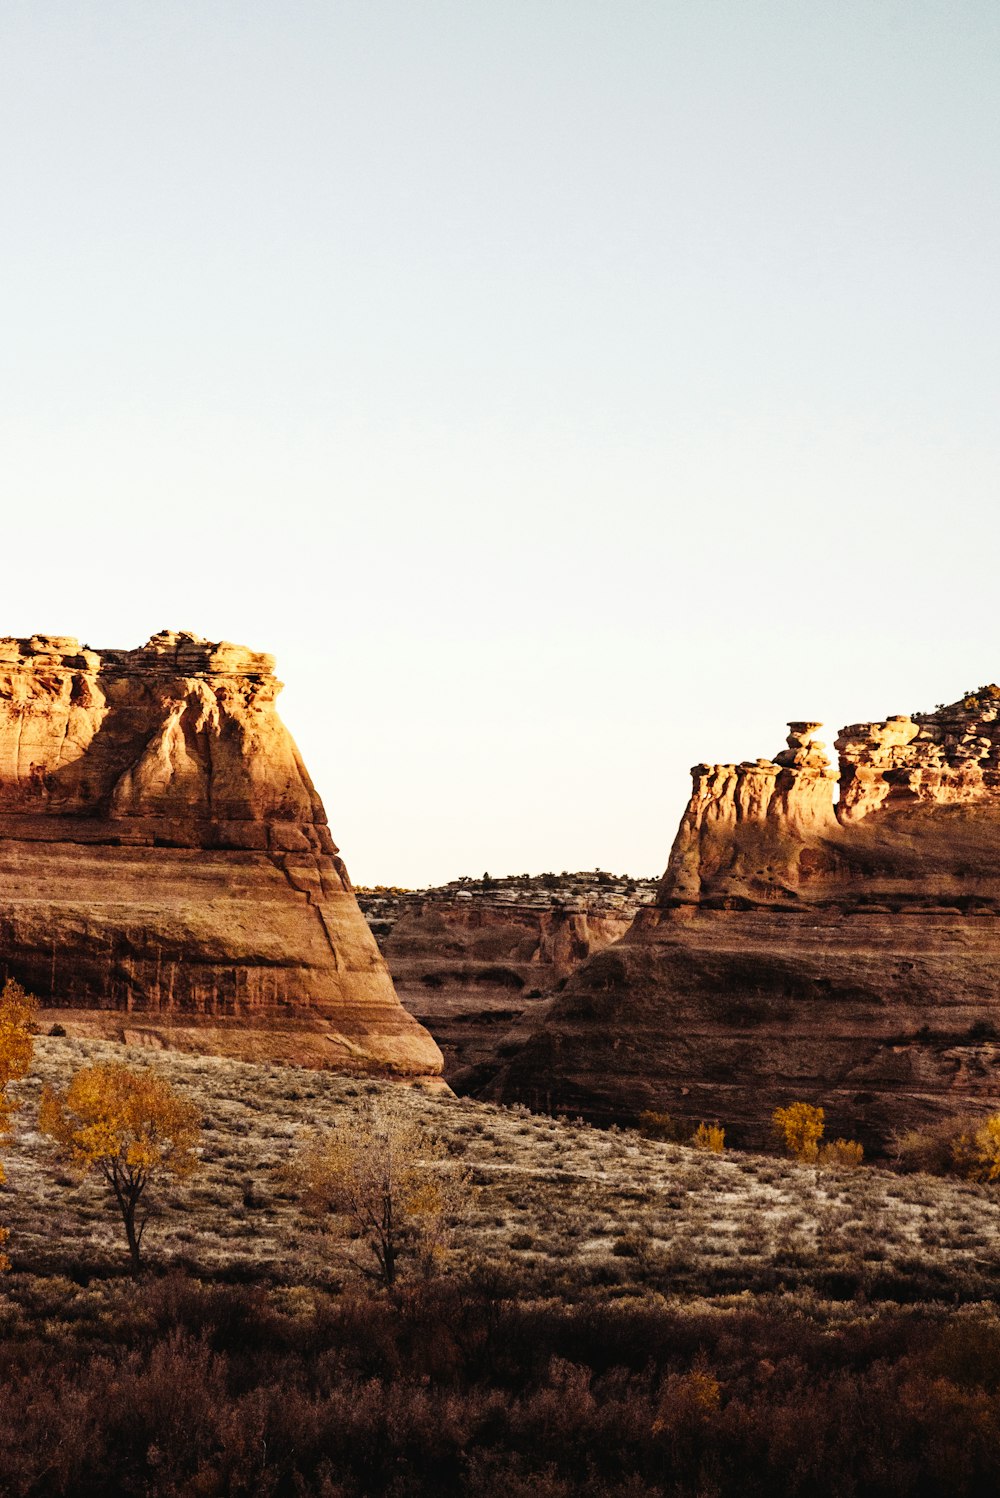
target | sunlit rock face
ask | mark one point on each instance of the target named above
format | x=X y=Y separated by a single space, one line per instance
x=166 y=869
x=846 y=952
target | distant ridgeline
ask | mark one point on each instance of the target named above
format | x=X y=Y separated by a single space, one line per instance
x=593 y=890
x=165 y=856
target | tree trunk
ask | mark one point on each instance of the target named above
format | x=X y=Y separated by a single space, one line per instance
x=128 y=1216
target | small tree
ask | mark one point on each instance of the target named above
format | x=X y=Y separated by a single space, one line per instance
x=386 y=1181
x=17 y=1010
x=800 y=1128
x=130 y=1126
x=709 y=1137
x=976 y=1151
x=842 y=1154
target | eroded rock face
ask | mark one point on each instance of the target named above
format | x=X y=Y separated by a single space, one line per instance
x=846 y=953
x=164 y=856
x=470 y=958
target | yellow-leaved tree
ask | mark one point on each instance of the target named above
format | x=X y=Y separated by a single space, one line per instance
x=385 y=1181
x=130 y=1126
x=710 y=1137
x=800 y=1128
x=17 y=1011
x=976 y=1151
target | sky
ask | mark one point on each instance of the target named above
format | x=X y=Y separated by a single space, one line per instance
x=566 y=391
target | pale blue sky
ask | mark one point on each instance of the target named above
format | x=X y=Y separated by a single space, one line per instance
x=565 y=391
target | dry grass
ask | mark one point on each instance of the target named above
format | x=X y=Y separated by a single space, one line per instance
x=572 y=1207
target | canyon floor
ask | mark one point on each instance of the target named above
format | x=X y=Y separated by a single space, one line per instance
x=568 y=1207
x=620 y=1318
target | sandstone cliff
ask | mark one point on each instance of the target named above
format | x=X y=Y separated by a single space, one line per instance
x=468 y=958
x=847 y=953
x=166 y=869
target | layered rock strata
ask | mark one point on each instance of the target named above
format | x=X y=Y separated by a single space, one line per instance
x=166 y=868
x=846 y=953
x=469 y=958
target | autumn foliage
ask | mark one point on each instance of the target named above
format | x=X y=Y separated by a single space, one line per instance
x=800 y=1127
x=975 y=1150
x=709 y=1137
x=130 y=1126
x=387 y=1182
x=17 y=1010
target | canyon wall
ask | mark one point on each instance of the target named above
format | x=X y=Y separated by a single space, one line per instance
x=469 y=958
x=846 y=953
x=166 y=868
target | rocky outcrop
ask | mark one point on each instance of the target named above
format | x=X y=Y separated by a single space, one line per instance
x=469 y=958
x=166 y=869
x=847 y=953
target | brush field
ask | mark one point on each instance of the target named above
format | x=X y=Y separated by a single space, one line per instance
x=570 y=1208
x=620 y=1318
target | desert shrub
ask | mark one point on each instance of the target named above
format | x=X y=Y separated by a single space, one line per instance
x=966 y=1145
x=663 y=1126
x=458 y=1389
x=928 y=1148
x=841 y=1154
x=800 y=1129
x=709 y=1137
x=382 y=1179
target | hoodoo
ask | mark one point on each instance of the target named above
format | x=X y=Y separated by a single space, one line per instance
x=166 y=869
x=847 y=954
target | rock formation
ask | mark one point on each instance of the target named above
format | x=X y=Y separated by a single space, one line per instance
x=166 y=870
x=468 y=958
x=847 y=954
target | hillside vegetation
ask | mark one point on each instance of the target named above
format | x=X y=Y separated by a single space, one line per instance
x=568 y=1206
x=621 y=1318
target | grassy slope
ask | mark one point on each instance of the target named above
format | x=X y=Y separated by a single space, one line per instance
x=572 y=1208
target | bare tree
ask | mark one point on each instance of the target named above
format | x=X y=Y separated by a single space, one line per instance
x=384 y=1180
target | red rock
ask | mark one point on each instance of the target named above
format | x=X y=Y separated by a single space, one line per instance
x=164 y=854
x=846 y=954
x=467 y=961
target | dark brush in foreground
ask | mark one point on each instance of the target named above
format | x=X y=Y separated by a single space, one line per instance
x=463 y=1389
